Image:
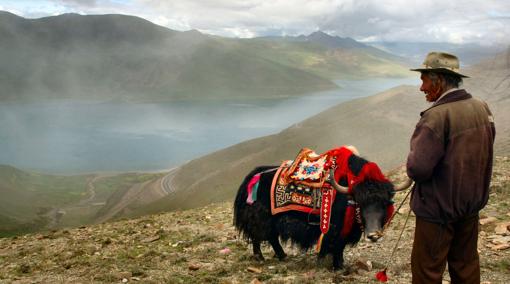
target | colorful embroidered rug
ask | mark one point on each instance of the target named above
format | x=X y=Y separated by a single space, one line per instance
x=307 y=169
x=301 y=197
x=299 y=184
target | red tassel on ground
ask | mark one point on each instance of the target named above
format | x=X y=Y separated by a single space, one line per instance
x=381 y=276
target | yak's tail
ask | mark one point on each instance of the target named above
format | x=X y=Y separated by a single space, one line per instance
x=240 y=205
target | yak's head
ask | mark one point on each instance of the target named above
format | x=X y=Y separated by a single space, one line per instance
x=375 y=200
x=372 y=193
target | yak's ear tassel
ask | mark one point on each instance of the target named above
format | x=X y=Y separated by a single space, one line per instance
x=319 y=243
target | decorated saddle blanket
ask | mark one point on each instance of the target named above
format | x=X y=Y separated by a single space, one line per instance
x=301 y=184
x=287 y=196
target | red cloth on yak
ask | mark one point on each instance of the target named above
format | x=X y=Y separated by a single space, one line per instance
x=370 y=170
x=350 y=216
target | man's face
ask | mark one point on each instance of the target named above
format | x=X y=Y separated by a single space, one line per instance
x=431 y=89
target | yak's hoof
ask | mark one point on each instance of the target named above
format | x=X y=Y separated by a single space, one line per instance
x=282 y=256
x=258 y=257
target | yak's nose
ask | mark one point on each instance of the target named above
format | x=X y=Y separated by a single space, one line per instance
x=374 y=237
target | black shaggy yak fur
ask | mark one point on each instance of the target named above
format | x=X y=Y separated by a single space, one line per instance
x=256 y=224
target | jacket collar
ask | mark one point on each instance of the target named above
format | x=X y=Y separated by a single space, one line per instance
x=454 y=96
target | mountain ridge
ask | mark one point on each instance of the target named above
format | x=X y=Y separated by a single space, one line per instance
x=121 y=57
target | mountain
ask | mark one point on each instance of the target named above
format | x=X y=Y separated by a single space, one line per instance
x=415 y=52
x=128 y=58
x=119 y=57
x=380 y=126
x=327 y=40
x=330 y=56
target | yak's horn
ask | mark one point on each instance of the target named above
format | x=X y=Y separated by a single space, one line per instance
x=332 y=181
x=404 y=185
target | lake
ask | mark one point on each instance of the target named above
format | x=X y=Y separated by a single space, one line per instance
x=83 y=137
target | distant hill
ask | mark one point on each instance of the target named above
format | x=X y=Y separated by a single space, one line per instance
x=380 y=126
x=415 y=52
x=329 y=56
x=118 y=57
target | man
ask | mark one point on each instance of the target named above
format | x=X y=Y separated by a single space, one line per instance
x=451 y=163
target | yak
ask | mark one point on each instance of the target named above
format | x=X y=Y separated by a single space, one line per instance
x=256 y=223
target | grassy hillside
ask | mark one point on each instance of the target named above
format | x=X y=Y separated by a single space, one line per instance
x=27 y=198
x=201 y=246
x=32 y=202
x=491 y=81
x=117 y=57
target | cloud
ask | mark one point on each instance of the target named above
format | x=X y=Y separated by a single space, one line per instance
x=481 y=21
x=86 y=3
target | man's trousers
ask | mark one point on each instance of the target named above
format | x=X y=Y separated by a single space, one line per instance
x=436 y=244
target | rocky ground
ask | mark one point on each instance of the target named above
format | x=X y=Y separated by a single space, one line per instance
x=201 y=246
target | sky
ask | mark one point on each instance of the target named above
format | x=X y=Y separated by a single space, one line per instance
x=485 y=22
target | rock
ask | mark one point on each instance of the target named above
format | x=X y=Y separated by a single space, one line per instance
x=501 y=240
x=363 y=264
x=253 y=269
x=124 y=274
x=151 y=239
x=225 y=251
x=124 y=280
x=487 y=220
x=502 y=228
x=193 y=267
x=501 y=247
x=404 y=210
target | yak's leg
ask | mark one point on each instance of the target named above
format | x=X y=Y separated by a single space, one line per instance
x=257 y=252
x=278 y=250
x=323 y=252
x=335 y=248
x=338 y=256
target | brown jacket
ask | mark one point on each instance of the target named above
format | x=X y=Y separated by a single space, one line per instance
x=451 y=158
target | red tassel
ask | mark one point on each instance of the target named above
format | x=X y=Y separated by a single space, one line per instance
x=381 y=276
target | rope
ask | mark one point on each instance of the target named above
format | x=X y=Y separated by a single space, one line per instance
x=400 y=236
x=381 y=276
x=271 y=170
x=395 y=213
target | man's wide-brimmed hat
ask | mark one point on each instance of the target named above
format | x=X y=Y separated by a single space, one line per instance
x=441 y=62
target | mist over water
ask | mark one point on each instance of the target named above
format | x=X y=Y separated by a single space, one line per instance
x=79 y=137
